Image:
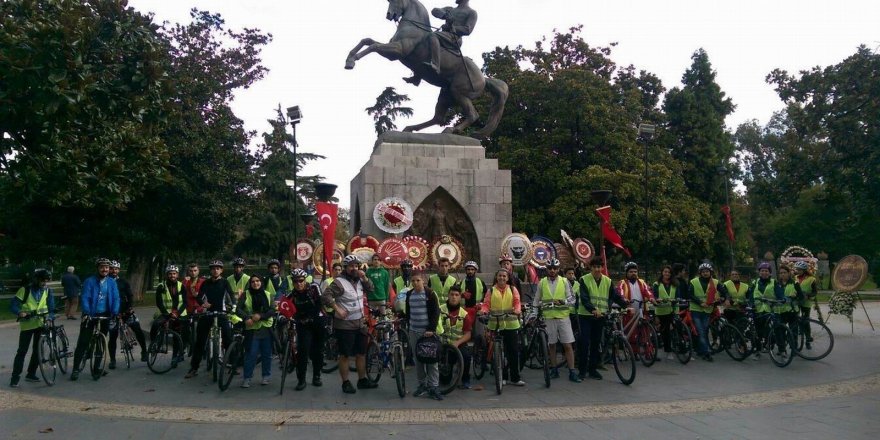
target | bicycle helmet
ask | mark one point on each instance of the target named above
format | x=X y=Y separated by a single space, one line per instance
x=472 y=264
x=630 y=265
x=554 y=262
x=238 y=262
x=42 y=275
x=102 y=262
x=171 y=268
x=216 y=263
x=115 y=264
x=802 y=265
x=764 y=265
x=406 y=263
x=705 y=266
x=273 y=261
x=504 y=257
x=299 y=273
x=350 y=259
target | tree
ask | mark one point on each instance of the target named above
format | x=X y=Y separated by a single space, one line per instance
x=387 y=109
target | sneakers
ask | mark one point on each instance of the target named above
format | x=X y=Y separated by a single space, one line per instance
x=13 y=383
x=809 y=346
x=707 y=357
x=74 y=375
x=465 y=385
x=435 y=394
x=573 y=376
x=300 y=385
x=316 y=381
x=31 y=378
x=518 y=383
x=191 y=374
x=348 y=388
x=366 y=384
x=246 y=383
x=554 y=373
x=266 y=381
x=420 y=391
x=670 y=356
x=112 y=365
x=595 y=375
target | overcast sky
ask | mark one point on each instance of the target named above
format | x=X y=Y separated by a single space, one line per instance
x=745 y=40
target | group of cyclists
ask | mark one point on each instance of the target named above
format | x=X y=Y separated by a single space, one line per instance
x=572 y=308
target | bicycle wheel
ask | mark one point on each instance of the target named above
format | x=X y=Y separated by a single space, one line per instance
x=543 y=355
x=374 y=363
x=127 y=346
x=780 y=345
x=450 y=366
x=161 y=351
x=62 y=348
x=528 y=352
x=646 y=339
x=819 y=342
x=331 y=355
x=749 y=334
x=216 y=359
x=735 y=344
x=99 y=356
x=498 y=364
x=234 y=357
x=46 y=356
x=286 y=364
x=624 y=360
x=209 y=355
x=681 y=342
x=397 y=358
x=478 y=359
x=716 y=338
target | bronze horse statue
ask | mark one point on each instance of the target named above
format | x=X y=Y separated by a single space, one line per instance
x=460 y=80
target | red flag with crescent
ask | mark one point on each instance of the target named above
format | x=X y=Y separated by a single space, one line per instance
x=285 y=307
x=726 y=210
x=608 y=231
x=327 y=218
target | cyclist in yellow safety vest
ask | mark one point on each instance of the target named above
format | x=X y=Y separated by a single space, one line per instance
x=458 y=327
x=504 y=299
x=170 y=304
x=554 y=299
x=704 y=292
x=809 y=288
x=597 y=292
x=29 y=302
x=257 y=309
x=276 y=284
x=441 y=281
x=736 y=297
x=791 y=290
x=667 y=291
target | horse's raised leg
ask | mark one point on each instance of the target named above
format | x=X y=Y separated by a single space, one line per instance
x=469 y=112
x=444 y=101
x=352 y=55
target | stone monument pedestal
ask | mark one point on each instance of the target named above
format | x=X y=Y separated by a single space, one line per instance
x=438 y=170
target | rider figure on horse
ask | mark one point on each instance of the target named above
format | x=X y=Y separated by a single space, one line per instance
x=460 y=21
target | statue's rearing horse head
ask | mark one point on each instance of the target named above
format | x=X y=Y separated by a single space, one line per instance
x=396 y=8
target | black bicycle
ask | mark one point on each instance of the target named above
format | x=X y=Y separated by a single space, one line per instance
x=163 y=349
x=127 y=338
x=536 y=354
x=616 y=346
x=232 y=360
x=50 y=352
x=97 y=353
x=289 y=353
x=779 y=338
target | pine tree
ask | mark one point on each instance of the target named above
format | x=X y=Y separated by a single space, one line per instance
x=387 y=109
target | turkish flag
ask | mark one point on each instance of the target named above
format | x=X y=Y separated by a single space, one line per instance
x=327 y=218
x=285 y=307
x=608 y=231
x=726 y=210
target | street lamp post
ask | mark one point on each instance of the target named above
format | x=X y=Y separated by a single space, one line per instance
x=722 y=170
x=646 y=132
x=294 y=116
x=601 y=197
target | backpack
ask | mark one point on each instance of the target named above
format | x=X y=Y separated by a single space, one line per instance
x=428 y=349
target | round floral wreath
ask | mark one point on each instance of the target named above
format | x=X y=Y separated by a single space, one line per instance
x=843 y=303
x=396 y=207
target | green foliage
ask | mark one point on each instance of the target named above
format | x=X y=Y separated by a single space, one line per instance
x=387 y=109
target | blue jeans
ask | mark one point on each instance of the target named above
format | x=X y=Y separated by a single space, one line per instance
x=701 y=322
x=263 y=347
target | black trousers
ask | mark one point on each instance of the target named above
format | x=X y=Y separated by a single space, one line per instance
x=203 y=330
x=135 y=327
x=85 y=337
x=805 y=327
x=309 y=345
x=24 y=340
x=588 y=344
x=511 y=352
x=666 y=331
x=466 y=354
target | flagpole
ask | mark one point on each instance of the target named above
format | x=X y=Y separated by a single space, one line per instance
x=723 y=171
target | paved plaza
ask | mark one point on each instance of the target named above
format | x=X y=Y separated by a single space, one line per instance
x=837 y=397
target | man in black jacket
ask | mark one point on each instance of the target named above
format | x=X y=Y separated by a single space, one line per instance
x=214 y=295
x=126 y=315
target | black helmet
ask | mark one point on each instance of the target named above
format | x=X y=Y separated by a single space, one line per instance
x=115 y=264
x=216 y=263
x=273 y=261
x=41 y=275
x=554 y=262
x=630 y=265
x=102 y=262
x=238 y=262
x=299 y=273
x=705 y=266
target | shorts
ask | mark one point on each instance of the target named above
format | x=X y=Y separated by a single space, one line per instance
x=559 y=330
x=350 y=342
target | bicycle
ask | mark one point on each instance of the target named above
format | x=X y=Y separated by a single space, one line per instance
x=97 y=353
x=289 y=353
x=389 y=354
x=680 y=339
x=49 y=355
x=537 y=349
x=615 y=344
x=645 y=338
x=814 y=338
x=451 y=362
x=779 y=338
x=126 y=336
x=164 y=349
x=725 y=336
x=213 y=349
x=232 y=360
x=493 y=347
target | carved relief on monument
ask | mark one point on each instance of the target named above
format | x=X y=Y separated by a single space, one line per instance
x=440 y=214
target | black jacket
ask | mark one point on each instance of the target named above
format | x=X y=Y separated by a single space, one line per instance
x=217 y=292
